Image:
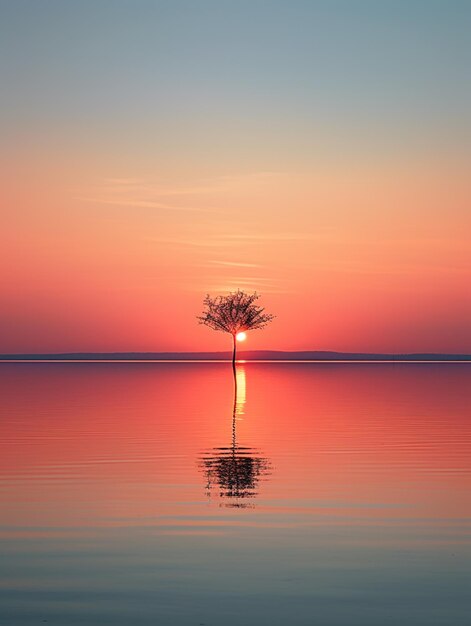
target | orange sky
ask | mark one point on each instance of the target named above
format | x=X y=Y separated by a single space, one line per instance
x=125 y=200
x=368 y=259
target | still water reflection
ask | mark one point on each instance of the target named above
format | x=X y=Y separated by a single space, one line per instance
x=124 y=492
x=235 y=469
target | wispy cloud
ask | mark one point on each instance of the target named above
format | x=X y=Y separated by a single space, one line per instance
x=137 y=193
x=234 y=286
x=234 y=264
x=233 y=240
x=196 y=243
x=144 y=204
x=123 y=181
x=270 y=236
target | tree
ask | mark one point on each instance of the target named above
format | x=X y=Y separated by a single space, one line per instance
x=234 y=313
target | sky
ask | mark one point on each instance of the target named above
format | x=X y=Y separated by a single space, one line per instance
x=317 y=152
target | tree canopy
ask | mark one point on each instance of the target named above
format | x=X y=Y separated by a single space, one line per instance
x=233 y=313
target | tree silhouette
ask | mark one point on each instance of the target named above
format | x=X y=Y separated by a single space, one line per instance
x=235 y=470
x=234 y=313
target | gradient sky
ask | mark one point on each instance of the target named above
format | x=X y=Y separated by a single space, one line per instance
x=317 y=152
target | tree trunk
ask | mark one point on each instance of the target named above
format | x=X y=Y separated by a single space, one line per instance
x=234 y=350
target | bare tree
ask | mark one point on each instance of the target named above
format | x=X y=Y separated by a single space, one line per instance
x=234 y=313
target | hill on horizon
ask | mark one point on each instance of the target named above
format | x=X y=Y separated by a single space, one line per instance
x=248 y=355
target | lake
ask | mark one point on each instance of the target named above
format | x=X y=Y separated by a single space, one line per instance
x=335 y=494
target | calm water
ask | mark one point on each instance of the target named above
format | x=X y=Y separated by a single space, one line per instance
x=139 y=494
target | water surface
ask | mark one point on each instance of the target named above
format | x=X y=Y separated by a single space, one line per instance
x=146 y=493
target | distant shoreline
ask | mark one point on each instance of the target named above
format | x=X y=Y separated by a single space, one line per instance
x=247 y=356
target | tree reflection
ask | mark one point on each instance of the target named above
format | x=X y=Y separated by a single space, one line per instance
x=235 y=470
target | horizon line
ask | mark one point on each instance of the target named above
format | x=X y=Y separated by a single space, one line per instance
x=245 y=361
x=244 y=356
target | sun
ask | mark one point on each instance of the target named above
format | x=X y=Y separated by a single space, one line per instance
x=241 y=336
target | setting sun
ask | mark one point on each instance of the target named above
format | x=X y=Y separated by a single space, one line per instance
x=241 y=336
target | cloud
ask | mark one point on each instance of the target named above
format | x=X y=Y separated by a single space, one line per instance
x=134 y=192
x=123 y=181
x=143 y=204
x=137 y=193
x=234 y=264
x=233 y=240
x=271 y=237
x=234 y=286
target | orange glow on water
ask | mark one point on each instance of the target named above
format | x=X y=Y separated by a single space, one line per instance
x=99 y=442
x=162 y=466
